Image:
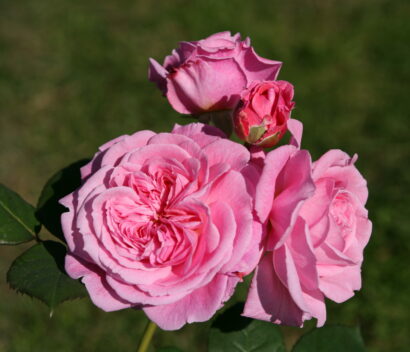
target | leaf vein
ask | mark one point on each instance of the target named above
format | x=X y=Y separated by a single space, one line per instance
x=16 y=218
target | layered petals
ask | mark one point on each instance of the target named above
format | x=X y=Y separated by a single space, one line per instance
x=163 y=222
x=317 y=228
x=209 y=74
x=261 y=118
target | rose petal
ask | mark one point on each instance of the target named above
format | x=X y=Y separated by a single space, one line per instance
x=198 y=306
x=197 y=87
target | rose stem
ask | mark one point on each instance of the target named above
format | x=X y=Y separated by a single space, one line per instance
x=146 y=338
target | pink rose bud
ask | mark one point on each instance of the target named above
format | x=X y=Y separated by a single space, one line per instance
x=262 y=115
x=209 y=74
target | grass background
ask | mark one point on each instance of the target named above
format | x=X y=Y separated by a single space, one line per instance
x=73 y=74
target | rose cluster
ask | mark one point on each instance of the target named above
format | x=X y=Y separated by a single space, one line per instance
x=171 y=222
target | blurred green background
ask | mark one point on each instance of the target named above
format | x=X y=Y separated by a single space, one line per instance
x=73 y=74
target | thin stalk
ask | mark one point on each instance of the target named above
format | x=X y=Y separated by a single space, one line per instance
x=146 y=338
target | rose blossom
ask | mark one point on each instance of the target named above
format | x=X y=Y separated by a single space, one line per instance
x=263 y=112
x=164 y=222
x=317 y=230
x=338 y=223
x=209 y=74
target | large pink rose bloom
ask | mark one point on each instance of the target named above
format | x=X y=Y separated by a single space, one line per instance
x=164 y=222
x=209 y=74
x=317 y=230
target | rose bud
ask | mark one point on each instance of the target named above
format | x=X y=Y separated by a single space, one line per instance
x=209 y=74
x=263 y=112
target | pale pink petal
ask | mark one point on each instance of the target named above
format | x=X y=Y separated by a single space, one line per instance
x=101 y=294
x=297 y=271
x=198 y=306
x=331 y=158
x=295 y=128
x=194 y=130
x=339 y=283
x=144 y=154
x=134 y=295
x=350 y=179
x=95 y=162
x=77 y=268
x=223 y=151
x=338 y=165
x=115 y=153
x=286 y=271
x=233 y=188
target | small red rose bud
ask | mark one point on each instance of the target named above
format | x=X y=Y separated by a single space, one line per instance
x=262 y=114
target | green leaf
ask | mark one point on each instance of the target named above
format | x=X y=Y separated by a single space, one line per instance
x=18 y=223
x=49 y=210
x=39 y=272
x=169 y=349
x=233 y=333
x=331 y=339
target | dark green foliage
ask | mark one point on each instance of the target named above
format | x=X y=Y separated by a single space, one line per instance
x=331 y=339
x=39 y=272
x=49 y=210
x=17 y=221
x=233 y=333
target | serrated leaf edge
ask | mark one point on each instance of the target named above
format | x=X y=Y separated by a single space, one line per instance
x=55 y=304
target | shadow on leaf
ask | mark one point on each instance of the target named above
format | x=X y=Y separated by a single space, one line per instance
x=231 y=319
x=49 y=210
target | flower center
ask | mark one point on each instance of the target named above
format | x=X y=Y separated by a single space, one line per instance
x=151 y=228
x=342 y=212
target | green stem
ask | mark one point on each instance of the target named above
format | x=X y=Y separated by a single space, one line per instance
x=146 y=338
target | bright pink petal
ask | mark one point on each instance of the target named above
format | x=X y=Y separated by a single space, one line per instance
x=295 y=265
x=293 y=186
x=258 y=68
x=265 y=191
x=197 y=87
x=157 y=74
x=268 y=299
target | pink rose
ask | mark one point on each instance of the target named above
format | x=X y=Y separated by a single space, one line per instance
x=338 y=224
x=263 y=112
x=164 y=222
x=209 y=74
x=318 y=228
